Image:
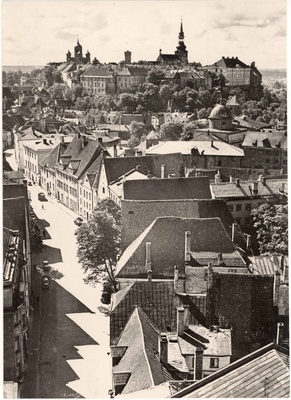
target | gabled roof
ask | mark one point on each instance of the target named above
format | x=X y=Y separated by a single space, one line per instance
x=169 y=57
x=247 y=122
x=266 y=139
x=140 y=359
x=157 y=299
x=226 y=190
x=206 y=148
x=93 y=172
x=229 y=62
x=166 y=189
x=136 y=71
x=51 y=160
x=263 y=373
x=97 y=72
x=167 y=238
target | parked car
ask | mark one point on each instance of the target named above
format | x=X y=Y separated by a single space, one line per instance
x=45 y=266
x=41 y=197
x=78 y=221
x=45 y=282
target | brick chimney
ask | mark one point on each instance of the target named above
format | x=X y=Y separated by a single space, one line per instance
x=148 y=255
x=163 y=348
x=279 y=335
x=198 y=364
x=217 y=177
x=179 y=281
x=180 y=321
x=187 y=246
x=255 y=190
x=277 y=277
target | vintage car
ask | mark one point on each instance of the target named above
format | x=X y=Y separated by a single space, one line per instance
x=41 y=196
x=78 y=221
x=45 y=266
x=45 y=284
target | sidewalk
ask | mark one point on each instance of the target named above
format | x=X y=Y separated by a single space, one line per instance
x=29 y=387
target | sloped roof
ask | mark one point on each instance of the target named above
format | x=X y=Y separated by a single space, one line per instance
x=157 y=299
x=227 y=190
x=117 y=186
x=229 y=62
x=166 y=189
x=266 y=139
x=9 y=121
x=263 y=373
x=216 y=344
x=267 y=265
x=51 y=160
x=167 y=238
x=93 y=172
x=96 y=72
x=14 y=204
x=136 y=71
x=232 y=101
x=206 y=148
x=247 y=122
x=169 y=57
x=140 y=359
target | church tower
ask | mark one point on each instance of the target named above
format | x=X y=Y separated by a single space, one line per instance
x=181 y=51
x=78 y=51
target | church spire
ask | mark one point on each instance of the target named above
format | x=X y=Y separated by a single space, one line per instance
x=181 y=34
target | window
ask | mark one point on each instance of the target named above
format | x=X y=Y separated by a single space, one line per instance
x=214 y=362
x=238 y=207
x=231 y=271
x=248 y=207
x=130 y=212
x=103 y=190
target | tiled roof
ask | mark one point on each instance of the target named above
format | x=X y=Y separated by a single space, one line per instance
x=261 y=374
x=217 y=344
x=167 y=238
x=166 y=189
x=267 y=265
x=273 y=139
x=169 y=57
x=246 y=122
x=140 y=359
x=229 y=62
x=96 y=72
x=9 y=121
x=93 y=172
x=157 y=299
x=136 y=71
x=51 y=160
x=71 y=66
x=115 y=167
x=206 y=148
x=230 y=190
x=14 y=201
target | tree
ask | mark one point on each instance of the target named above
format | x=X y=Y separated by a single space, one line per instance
x=137 y=129
x=271 y=224
x=99 y=241
x=127 y=102
x=171 y=130
x=57 y=91
x=155 y=76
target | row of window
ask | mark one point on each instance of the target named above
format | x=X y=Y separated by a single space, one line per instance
x=238 y=207
x=86 y=194
x=30 y=166
x=29 y=153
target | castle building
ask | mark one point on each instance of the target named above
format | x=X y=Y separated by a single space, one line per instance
x=179 y=57
x=78 y=55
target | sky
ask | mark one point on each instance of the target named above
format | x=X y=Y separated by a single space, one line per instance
x=38 y=32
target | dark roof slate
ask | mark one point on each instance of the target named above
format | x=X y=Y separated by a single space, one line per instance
x=166 y=189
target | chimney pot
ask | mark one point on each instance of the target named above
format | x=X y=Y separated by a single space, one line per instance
x=187 y=246
x=150 y=275
x=163 y=348
x=163 y=168
x=180 y=321
x=237 y=182
x=230 y=179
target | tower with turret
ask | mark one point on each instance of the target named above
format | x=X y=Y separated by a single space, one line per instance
x=181 y=51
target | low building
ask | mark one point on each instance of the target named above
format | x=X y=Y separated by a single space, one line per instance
x=244 y=196
x=265 y=149
x=266 y=370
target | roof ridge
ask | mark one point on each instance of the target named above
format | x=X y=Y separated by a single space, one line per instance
x=143 y=346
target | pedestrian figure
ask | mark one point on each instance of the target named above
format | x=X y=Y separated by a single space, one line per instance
x=42 y=206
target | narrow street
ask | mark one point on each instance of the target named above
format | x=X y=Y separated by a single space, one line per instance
x=69 y=342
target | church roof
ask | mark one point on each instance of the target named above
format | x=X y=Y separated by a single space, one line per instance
x=169 y=57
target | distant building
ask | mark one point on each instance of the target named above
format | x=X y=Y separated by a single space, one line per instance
x=179 y=57
x=98 y=80
x=238 y=74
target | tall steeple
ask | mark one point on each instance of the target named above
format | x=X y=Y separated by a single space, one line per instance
x=181 y=51
x=181 y=34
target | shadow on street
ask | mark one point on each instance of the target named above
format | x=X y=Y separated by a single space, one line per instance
x=52 y=254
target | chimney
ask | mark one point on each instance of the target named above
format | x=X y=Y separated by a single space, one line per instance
x=217 y=177
x=163 y=348
x=115 y=151
x=138 y=153
x=230 y=179
x=237 y=182
x=264 y=180
x=187 y=246
x=163 y=168
x=254 y=188
x=44 y=141
x=100 y=140
x=62 y=139
x=180 y=321
x=249 y=242
x=198 y=364
x=219 y=259
x=149 y=275
x=277 y=277
x=148 y=256
x=186 y=316
x=279 y=336
x=233 y=231
x=179 y=281
x=283 y=268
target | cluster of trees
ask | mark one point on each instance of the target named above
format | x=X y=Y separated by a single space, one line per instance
x=271 y=224
x=99 y=242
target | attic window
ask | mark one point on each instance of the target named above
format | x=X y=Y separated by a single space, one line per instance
x=130 y=212
x=214 y=362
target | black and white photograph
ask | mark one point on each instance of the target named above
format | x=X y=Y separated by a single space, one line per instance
x=145 y=199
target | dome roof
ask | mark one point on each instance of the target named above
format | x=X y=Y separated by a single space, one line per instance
x=220 y=112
